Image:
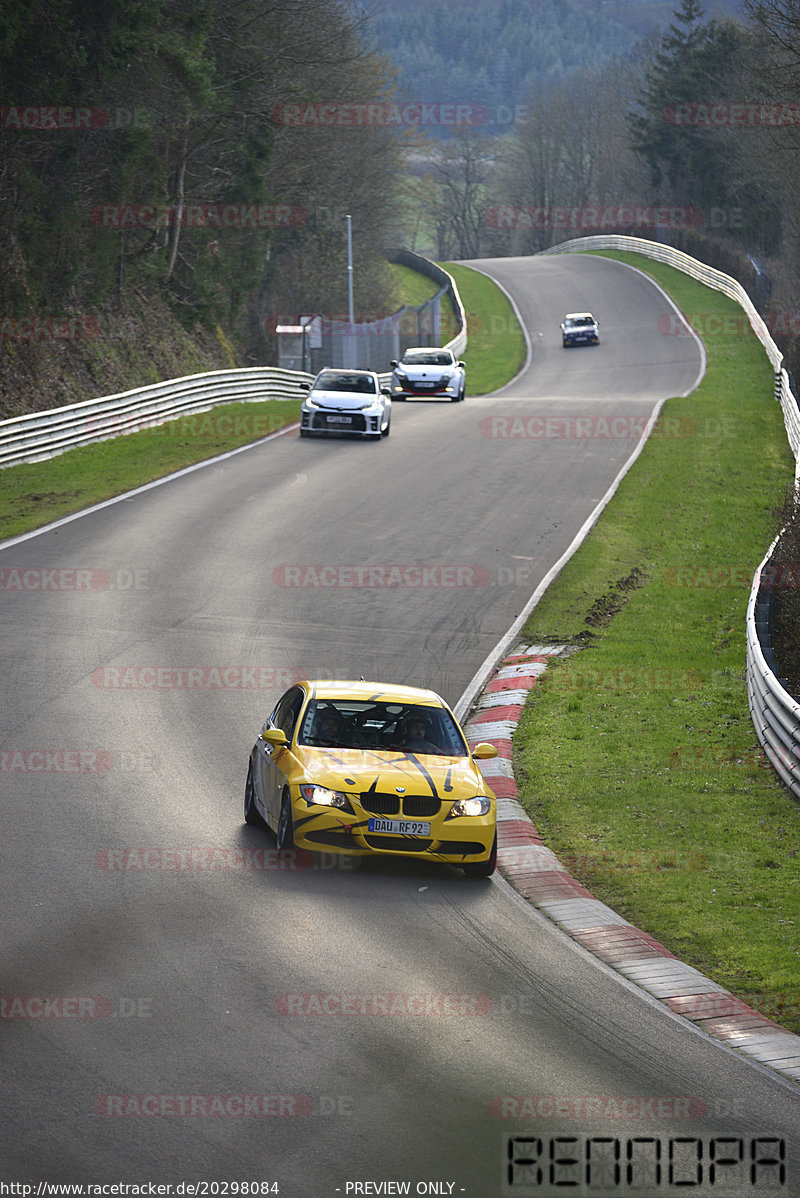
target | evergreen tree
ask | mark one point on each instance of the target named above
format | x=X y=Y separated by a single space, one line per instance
x=692 y=161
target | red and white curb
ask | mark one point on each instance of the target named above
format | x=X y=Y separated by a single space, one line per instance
x=537 y=874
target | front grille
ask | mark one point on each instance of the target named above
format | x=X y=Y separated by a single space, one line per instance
x=461 y=847
x=357 y=422
x=421 y=806
x=399 y=844
x=380 y=804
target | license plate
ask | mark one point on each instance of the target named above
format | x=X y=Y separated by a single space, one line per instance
x=401 y=827
x=340 y=420
x=426 y=384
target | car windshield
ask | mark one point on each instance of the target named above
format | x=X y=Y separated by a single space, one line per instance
x=393 y=727
x=330 y=380
x=427 y=359
x=580 y=320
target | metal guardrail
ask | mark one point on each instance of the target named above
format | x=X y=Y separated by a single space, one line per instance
x=43 y=435
x=775 y=714
x=439 y=275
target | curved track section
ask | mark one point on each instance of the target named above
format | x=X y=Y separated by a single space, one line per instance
x=179 y=1004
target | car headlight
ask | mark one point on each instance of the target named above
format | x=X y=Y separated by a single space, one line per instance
x=480 y=805
x=322 y=797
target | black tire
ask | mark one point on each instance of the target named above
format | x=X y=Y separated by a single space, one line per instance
x=385 y=432
x=482 y=869
x=284 y=837
x=252 y=815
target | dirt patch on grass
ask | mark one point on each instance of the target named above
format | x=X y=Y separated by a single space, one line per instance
x=604 y=609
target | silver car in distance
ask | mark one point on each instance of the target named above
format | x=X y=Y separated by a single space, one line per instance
x=428 y=370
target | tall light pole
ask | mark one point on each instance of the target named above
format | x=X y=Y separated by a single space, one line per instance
x=350 y=280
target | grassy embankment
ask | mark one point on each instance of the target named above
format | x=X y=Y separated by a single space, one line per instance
x=32 y=495
x=637 y=760
x=495 y=346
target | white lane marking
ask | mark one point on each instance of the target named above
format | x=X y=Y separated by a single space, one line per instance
x=127 y=496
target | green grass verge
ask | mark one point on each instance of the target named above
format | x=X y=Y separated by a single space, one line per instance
x=411 y=287
x=637 y=758
x=496 y=345
x=35 y=493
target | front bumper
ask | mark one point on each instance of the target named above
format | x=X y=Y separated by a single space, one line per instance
x=405 y=388
x=581 y=339
x=456 y=841
x=325 y=420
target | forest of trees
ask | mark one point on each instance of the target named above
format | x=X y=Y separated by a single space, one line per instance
x=440 y=50
x=204 y=152
x=143 y=146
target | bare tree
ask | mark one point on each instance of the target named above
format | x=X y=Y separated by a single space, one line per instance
x=567 y=157
x=462 y=168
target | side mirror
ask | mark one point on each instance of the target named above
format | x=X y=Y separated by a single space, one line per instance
x=386 y=391
x=463 y=365
x=484 y=750
x=275 y=737
x=393 y=364
x=304 y=386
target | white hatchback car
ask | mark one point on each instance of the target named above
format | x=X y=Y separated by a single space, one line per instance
x=346 y=401
x=428 y=370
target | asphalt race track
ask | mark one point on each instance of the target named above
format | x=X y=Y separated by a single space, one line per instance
x=180 y=1006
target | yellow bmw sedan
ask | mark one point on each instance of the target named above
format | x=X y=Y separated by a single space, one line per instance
x=364 y=769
